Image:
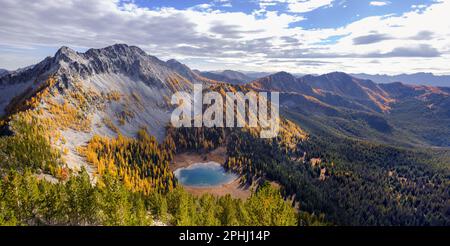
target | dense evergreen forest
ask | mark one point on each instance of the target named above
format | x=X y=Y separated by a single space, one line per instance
x=132 y=187
x=29 y=200
x=347 y=182
x=330 y=180
x=140 y=162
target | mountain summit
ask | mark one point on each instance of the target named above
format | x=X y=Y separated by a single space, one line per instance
x=185 y=71
x=282 y=82
x=118 y=88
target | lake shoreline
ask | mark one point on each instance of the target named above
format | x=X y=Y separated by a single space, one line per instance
x=208 y=168
x=233 y=188
x=187 y=159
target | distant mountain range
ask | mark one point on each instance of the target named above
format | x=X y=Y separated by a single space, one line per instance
x=236 y=77
x=228 y=76
x=3 y=71
x=416 y=78
x=338 y=103
x=241 y=77
x=370 y=107
x=372 y=148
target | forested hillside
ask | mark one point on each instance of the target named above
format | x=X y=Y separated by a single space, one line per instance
x=75 y=151
x=345 y=181
x=133 y=188
x=338 y=103
x=85 y=140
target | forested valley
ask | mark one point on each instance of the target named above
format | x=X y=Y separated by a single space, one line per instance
x=342 y=181
x=324 y=179
x=132 y=186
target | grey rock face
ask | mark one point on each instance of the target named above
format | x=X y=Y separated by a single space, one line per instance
x=116 y=59
x=144 y=82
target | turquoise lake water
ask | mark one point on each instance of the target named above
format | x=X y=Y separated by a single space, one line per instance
x=204 y=175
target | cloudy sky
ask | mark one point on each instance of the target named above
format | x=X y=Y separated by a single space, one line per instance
x=299 y=36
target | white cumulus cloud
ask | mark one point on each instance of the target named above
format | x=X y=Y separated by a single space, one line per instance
x=298 y=6
x=379 y=3
x=210 y=39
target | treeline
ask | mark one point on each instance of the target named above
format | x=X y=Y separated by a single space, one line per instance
x=265 y=207
x=351 y=182
x=375 y=184
x=140 y=162
x=256 y=159
x=28 y=148
x=200 y=139
x=28 y=200
x=31 y=192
